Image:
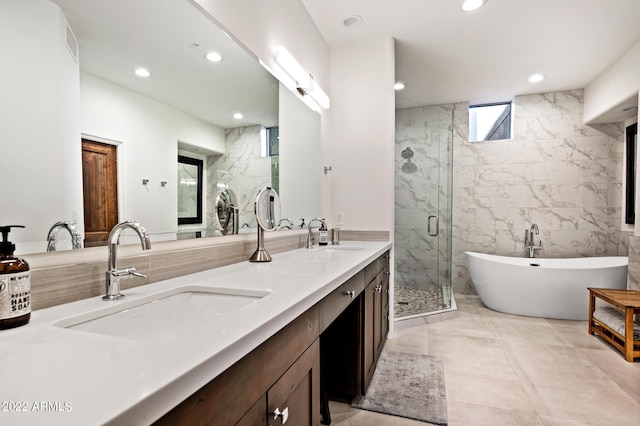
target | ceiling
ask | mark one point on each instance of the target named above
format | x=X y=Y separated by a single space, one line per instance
x=445 y=55
x=171 y=38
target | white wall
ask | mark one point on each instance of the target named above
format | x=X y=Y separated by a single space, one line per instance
x=618 y=83
x=148 y=133
x=39 y=103
x=362 y=135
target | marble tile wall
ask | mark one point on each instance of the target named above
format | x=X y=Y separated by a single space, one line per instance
x=556 y=172
x=242 y=169
x=633 y=281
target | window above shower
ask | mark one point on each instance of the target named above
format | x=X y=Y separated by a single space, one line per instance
x=490 y=122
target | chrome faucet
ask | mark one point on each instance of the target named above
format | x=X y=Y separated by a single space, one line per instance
x=530 y=246
x=309 y=235
x=284 y=219
x=113 y=274
x=76 y=239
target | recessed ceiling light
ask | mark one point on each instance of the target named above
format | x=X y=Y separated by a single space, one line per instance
x=399 y=86
x=237 y=116
x=469 y=5
x=142 y=72
x=535 y=78
x=352 y=21
x=213 y=57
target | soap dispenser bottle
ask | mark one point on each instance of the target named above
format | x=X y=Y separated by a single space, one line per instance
x=323 y=234
x=15 y=284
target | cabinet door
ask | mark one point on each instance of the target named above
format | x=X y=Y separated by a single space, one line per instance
x=368 y=355
x=385 y=306
x=256 y=414
x=295 y=398
x=378 y=318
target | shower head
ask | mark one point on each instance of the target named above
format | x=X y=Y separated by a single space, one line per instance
x=407 y=153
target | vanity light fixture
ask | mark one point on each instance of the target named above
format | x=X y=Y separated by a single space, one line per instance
x=292 y=67
x=213 y=57
x=399 y=86
x=535 y=78
x=304 y=83
x=142 y=72
x=470 y=5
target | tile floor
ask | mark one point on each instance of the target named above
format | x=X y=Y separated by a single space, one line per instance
x=509 y=370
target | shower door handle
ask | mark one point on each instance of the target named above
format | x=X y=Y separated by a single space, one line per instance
x=429 y=231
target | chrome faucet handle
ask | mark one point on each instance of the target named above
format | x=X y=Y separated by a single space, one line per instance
x=127 y=273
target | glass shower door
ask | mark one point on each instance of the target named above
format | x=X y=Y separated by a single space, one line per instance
x=423 y=180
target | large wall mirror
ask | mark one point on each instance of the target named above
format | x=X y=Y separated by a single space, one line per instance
x=68 y=74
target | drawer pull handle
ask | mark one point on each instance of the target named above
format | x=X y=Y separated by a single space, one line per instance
x=350 y=293
x=284 y=415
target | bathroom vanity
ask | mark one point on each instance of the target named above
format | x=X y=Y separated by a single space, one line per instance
x=237 y=344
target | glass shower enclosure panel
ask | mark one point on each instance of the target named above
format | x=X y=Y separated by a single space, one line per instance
x=423 y=182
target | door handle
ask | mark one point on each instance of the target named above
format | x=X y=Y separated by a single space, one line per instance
x=429 y=231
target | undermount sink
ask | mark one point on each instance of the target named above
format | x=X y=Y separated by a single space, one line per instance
x=163 y=316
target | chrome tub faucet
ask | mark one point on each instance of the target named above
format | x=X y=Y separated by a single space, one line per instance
x=530 y=246
x=113 y=274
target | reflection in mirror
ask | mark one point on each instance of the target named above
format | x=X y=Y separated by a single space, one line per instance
x=88 y=90
x=267 y=208
x=189 y=190
x=227 y=213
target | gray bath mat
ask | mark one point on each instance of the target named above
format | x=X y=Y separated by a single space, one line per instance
x=407 y=385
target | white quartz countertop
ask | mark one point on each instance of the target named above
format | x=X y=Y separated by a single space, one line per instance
x=62 y=376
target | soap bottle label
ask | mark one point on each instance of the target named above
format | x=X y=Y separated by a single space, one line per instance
x=15 y=295
x=323 y=237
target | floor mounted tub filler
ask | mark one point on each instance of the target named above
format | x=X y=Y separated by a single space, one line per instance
x=546 y=288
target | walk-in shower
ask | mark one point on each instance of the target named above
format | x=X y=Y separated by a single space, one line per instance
x=423 y=187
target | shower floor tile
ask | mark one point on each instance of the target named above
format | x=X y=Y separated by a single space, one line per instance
x=412 y=301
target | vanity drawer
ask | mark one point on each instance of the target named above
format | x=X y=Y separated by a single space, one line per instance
x=375 y=267
x=333 y=305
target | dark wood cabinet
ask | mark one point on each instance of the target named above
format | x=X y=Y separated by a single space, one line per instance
x=340 y=337
x=241 y=393
x=351 y=345
x=296 y=395
x=294 y=398
x=376 y=317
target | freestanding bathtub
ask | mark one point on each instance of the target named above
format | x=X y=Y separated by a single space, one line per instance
x=547 y=288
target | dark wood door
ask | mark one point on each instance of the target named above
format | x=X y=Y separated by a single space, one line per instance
x=297 y=392
x=100 y=188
